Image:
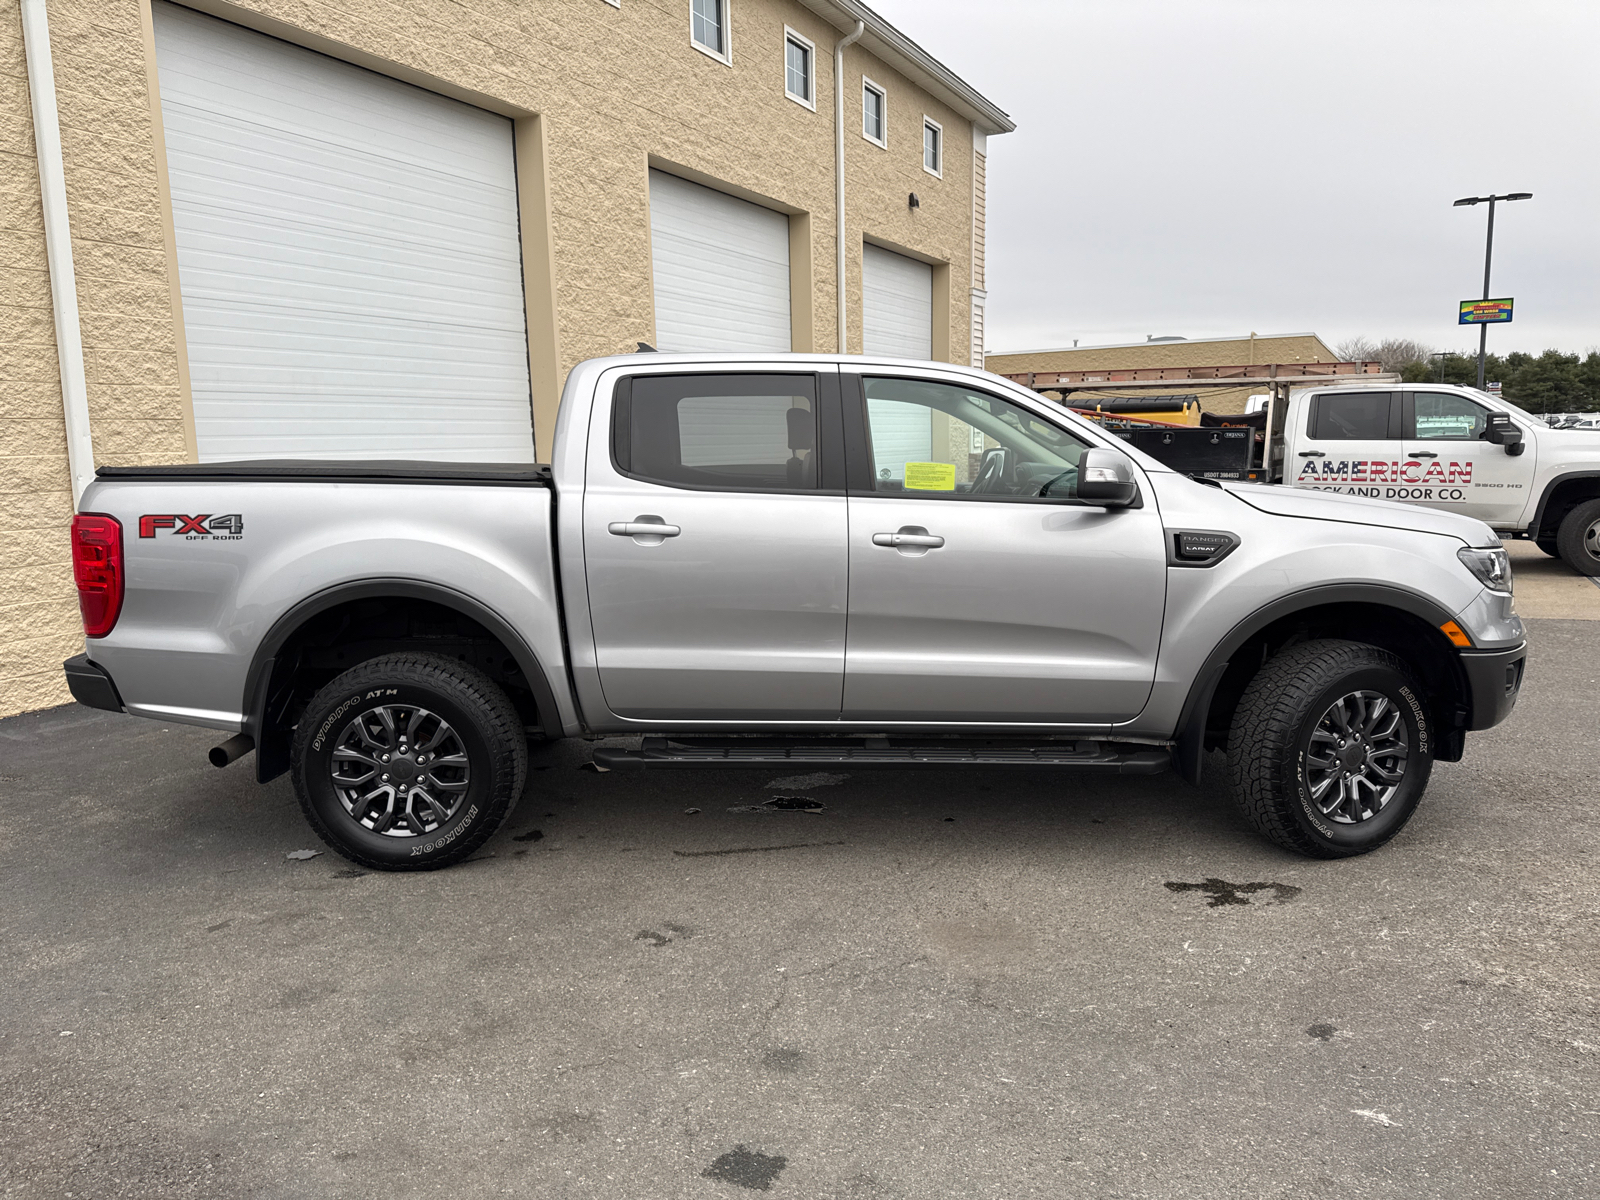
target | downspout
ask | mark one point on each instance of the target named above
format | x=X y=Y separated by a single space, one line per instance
x=58 y=245
x=838 y=168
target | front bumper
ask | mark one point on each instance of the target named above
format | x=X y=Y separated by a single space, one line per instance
x=90 y=685
x=1494 y=677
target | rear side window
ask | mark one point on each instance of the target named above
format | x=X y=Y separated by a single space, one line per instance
x=745 y=432
x=1358 y=416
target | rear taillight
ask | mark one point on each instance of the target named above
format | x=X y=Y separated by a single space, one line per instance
x=97 y=567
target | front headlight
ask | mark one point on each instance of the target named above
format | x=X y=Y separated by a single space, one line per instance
x=1492 y=567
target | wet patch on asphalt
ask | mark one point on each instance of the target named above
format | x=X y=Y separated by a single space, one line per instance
x=747 y=1168
x=1221 y=893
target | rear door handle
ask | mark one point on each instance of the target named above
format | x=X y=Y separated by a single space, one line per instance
x=647 y=529
x=930 y=541
x=1421 y=454
x=1313 y=454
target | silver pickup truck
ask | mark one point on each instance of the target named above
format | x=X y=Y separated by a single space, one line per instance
x=797 y=559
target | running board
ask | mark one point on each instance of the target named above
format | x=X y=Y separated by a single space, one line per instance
x=1116 y=758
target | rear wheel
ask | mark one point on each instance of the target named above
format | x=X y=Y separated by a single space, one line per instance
x=409 y=762
x=1330 y=749
x=1579 y=538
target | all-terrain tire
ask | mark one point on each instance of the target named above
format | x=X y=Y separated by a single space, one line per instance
x=1272 y=735
x=1579 y=538
x=380 y=802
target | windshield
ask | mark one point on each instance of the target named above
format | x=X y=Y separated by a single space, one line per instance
x=1521 y=412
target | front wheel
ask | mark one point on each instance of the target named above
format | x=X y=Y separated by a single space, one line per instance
x=1579 y=538
x=1331 y=748
x=408 y=762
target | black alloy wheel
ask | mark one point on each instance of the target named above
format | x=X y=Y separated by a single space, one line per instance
x=1331 y=748
x=409 y=761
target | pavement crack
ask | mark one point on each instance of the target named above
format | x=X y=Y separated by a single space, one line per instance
x=752 y=849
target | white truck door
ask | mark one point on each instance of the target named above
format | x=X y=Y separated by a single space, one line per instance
x=1346 y=441
x=1455 y=468
x=972 y=599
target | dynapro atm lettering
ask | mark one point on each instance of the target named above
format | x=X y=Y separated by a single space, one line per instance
x=1389 y=479
x=229 y=527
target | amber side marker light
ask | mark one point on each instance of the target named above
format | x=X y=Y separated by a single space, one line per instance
x=1456 y=634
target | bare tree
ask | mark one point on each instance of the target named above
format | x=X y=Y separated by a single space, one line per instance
x=1356 y=349
x=1395 y=354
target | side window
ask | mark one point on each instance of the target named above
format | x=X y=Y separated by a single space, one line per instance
x=1443 y=415
x=1352 y=417
x=745 y=432
x=941 y=440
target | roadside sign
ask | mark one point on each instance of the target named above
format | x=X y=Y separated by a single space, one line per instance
x=1492 y=388
x=1485 y=312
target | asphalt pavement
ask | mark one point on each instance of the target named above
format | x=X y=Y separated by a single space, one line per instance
x=944 y=984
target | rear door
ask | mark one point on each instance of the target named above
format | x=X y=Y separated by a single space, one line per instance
x=1349 y=442
x=714 y=546
x=973 y=598
x=1455 y=468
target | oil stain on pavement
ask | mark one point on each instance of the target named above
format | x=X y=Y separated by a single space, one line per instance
x=747 y=1168
x=1221 y=892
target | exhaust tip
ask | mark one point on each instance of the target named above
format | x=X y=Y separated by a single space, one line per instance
x=232 y=750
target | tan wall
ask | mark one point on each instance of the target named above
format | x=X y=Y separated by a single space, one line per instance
x=1220 y=352
x=615 y=91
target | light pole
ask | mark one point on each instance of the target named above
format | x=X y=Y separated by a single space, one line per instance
x=1488 y=254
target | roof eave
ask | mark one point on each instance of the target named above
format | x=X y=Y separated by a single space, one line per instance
x=894 y=47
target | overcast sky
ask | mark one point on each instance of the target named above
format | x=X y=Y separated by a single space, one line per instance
x=1211 y=167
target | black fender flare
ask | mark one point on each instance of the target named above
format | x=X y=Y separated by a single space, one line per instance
x=272 y=760
x=1189 y=748
x=1550 y=489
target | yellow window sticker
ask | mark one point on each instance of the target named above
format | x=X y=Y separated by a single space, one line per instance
x=931 y=477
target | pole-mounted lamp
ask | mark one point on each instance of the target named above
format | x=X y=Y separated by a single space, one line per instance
x=1488 y=255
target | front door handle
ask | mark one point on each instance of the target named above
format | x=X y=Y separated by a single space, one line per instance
x=647 y=529
x=1313 y=454
x=909 y=536
x=1421 y=454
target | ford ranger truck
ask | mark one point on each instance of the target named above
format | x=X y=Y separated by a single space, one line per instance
x=757 y=562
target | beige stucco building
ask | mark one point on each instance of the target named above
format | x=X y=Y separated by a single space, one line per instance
x=603 y=122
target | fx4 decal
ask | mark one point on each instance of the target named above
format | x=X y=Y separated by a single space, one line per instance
x=227 y=528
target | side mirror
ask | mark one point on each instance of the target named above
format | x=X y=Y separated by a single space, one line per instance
x=1106 y=478
x=1501 y=430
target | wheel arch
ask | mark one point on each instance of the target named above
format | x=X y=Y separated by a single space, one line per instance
x=268 y=689
x=1404 y=622
x=1561 y=495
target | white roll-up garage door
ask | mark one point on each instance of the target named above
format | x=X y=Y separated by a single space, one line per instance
x=896 y=304
x=348 y=255
x=721 y=268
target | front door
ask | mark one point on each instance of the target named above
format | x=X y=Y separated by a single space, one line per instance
x=1455 y=468
x=714 y=555
x=974 y=597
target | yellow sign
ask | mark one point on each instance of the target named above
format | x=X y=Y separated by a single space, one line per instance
x=930 y=477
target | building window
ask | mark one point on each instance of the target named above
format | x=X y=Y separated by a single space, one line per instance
x=799 y=71
x=932 y=147
x=708 y=26
x=874 y=113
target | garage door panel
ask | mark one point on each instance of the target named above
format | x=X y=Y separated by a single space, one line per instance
x=896 y=304
x=348 y=255
x=721 y=270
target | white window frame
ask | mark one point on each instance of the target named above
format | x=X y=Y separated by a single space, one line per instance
x=883 y=97
x=617 y=4
x=810 y=47
x=725 y=55
x=938 y=136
